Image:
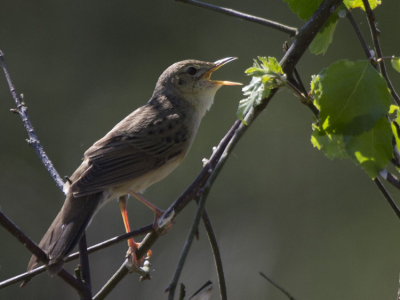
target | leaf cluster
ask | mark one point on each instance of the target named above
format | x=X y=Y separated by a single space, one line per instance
x=266 y=75
x=352 y=98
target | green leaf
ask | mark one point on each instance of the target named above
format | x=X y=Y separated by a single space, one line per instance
x=358 y=3
x=395 y=130
x=394 y=109
x=352 y=97
x=266 y=76
x=323 y=39
x=304 y=8
x=372 y=150
x=332 y=144
x=396 y=63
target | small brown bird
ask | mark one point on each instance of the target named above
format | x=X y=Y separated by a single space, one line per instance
x=140 y=150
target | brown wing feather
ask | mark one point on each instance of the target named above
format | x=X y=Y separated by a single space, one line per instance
x=132 y=148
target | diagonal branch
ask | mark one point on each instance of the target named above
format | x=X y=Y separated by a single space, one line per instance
x=387 y=196
x=277 y=286
x=306 y=35
x=363 y=43
x=84 y=266
x=217 y=255
x=33 y=248
x=236 y=14
x=33 y=139
x=74 y=256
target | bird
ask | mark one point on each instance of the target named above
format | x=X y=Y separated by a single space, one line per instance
x=139 y=151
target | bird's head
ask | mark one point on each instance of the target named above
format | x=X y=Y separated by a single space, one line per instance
x=190 y=79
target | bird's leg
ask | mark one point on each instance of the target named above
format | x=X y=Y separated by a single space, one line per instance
x=131 y=243
x=157 y=212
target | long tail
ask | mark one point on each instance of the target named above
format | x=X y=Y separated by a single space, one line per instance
x=66 y=230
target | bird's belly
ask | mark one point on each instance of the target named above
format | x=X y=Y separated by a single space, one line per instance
x=138 y=184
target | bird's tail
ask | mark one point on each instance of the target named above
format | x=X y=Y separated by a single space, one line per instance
x=66 y=230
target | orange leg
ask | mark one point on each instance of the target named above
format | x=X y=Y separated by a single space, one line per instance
x=131 y=243
x=157 y=212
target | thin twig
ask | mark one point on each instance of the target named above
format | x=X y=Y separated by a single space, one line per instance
x=74 y=256
x=387 y=197
x=39 y=253
x=203 y=291
x=182 y=292
x=78 y=285
x=33 y=139
x=277 y=286
x=85 y=269
x=299 y=81
x=216 y=254
x=375 y=37
x=294 y=87
x=297 y=86
x=236 y=14
x=363 y=43
x=389 y=177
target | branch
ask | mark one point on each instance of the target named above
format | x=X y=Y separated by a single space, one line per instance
x=360 y=36
x=33 y=140
x=34 y=249
x=297 y=87
x=217 y=255
x=74 y=256
x=375 y=37
x=233 y=13
x=127 y=267
x=203 y=292
x=393 y=180
x=84 y=263
x=306 y=35
x=182 y=292
x=277 y=286
x=387 y=196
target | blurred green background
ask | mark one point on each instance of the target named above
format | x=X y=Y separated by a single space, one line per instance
x=321 y=229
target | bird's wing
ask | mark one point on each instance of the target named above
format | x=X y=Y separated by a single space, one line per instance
x=132 y=148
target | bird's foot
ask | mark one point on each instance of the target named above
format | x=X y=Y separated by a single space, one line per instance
x=138 y=266
x=131 y=253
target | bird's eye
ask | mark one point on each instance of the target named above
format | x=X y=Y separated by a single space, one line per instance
x=191 y=71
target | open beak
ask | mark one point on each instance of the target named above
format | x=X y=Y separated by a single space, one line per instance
x=216 y=66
